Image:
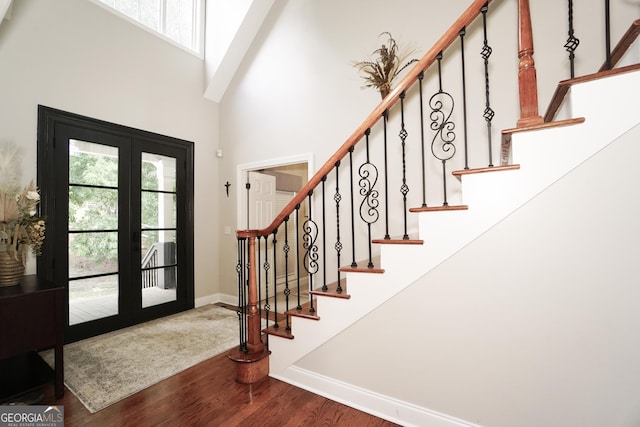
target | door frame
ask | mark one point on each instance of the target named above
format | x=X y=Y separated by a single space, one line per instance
x=244 y=168
x=48 y=120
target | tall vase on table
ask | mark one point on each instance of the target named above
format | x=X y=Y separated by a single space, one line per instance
x=11 y=269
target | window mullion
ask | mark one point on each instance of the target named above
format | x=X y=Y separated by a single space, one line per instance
x=163 y=16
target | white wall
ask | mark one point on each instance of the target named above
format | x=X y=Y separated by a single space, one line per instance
x=533 y=324
x=75 y=56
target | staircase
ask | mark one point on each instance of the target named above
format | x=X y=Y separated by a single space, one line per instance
x=491 y=197
x=580 y=123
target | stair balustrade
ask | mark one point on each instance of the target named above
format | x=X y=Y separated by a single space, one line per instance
x=372 y=179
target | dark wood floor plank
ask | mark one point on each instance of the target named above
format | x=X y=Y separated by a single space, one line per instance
x=208 y=395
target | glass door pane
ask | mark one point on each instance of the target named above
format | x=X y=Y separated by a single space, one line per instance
x=93 y=231
x=158 y=203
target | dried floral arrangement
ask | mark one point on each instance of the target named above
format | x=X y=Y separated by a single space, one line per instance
x=384 y=66
x=21 y=228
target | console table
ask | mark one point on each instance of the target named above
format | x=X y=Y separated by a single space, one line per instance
x=31 y=320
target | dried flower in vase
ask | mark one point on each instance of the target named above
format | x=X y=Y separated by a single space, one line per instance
x=21 y=228
x=384 y=66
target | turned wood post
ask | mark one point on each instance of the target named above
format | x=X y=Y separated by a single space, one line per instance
x=254 y=344
x=527 y=80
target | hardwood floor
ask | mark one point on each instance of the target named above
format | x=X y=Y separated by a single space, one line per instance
x=208 y=395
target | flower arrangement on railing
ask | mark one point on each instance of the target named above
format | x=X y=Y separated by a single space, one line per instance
x=384 y=66
x=21 y=228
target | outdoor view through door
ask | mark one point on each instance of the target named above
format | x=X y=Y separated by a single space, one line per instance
x=93 y=230
x=120 y=230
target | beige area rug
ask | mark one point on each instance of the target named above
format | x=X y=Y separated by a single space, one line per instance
x=107 y=368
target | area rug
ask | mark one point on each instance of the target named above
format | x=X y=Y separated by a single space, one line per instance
x=107 y=368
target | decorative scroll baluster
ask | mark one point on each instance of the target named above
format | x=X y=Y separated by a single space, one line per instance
x=485 y=54
x=462 y=33
x=310 y=236
x=442 y=104
x=299 y=306
x=404 y=188
x=572 y=42
x=353 y=221
x=369 y=206
x=241 y=310
x=275 y=282
x=424 y=157
x=338 y=246
x=286 y=248
x=324 y=237
x=385 y=117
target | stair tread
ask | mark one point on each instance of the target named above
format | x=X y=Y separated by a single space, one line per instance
x=361 y=268
x=279 y=332
x=440 y=208
x=332 y=290
x=304 y=312
x=461 y=172
x=398 y=241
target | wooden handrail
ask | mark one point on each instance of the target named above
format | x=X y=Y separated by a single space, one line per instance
x=625 y=42
x=411 y=77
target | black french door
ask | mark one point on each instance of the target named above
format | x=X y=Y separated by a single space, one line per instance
x=119 y=221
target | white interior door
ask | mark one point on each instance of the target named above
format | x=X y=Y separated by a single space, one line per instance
x=262 y=200
x=262 y=205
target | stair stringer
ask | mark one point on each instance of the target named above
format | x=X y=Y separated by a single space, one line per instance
x=545 y=156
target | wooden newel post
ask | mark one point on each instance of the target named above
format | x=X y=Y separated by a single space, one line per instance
x=252 y=365
x=253 y=316
x=527 y=80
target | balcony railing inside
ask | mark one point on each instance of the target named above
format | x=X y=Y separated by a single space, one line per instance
x=399 y=161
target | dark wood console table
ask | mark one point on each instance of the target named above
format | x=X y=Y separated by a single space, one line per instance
x=31 y=320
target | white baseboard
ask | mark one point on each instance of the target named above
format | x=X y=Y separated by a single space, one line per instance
x=381 y=406
x=214 y=298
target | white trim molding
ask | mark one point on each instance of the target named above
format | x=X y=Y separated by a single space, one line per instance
x=376 y=404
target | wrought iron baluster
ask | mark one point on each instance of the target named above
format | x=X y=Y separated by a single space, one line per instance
x=424 y=157
x=299 y=306
x=324 y=237
x=259 y=278
x=462 y=33
x=285 y=249
x=607 y=31
x=485 y=54
x=275 y=282
x=369 y=206
x=353 y=222
x=404 y=188
x=241 y=310
x=267 y=267
x=442 y=104
x=338 y=246
x=310 y=236
x=572 y=42
x=385 y=117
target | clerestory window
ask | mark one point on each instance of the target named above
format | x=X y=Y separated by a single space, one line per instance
x=180 y=21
